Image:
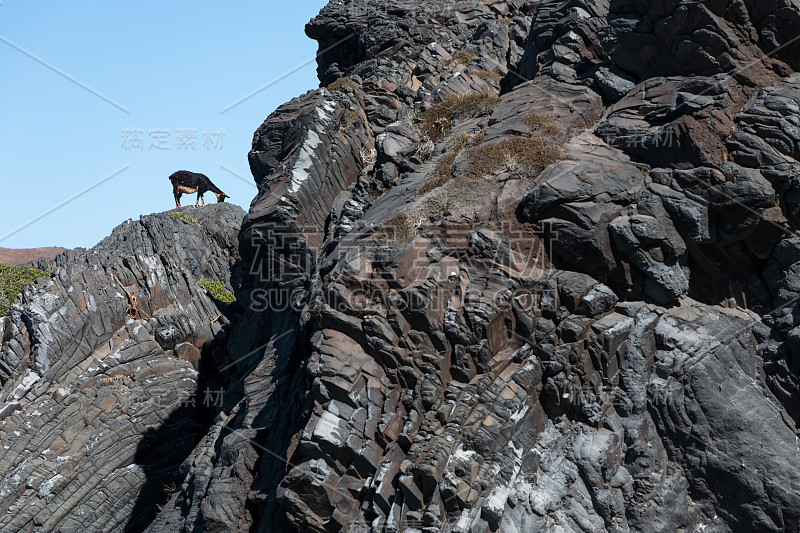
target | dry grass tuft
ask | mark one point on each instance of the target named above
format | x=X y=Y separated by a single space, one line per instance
x=462 y=57
x=349 y=118
x=425 y=149
x=463 y=196
x=438 y=118
x=489 y=75
x=542 y=123
x=344 y=85
x=396 y=230
x=524 y=156
x=369 y=156
x=444 y=166
x=438 y=129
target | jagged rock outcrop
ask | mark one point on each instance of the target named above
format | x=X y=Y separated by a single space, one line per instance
x=103 y=370
x=516 y=266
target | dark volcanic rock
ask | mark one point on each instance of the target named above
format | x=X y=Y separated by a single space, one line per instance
x=569 y=304
x=99 y=406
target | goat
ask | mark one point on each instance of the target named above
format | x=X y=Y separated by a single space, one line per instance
x=185 y=182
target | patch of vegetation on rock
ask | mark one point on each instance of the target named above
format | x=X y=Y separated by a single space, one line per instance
x=462 y=57
x=12 y=280
x=526 y=157
x=344 y=85
x=438 y=118
x=186 y=218
x=462 y=195
x=541 y=123
x=488 y=75
x=218 y=291
x=443 y=171
x=396 y=230
x=459 y=195
x=349 y=118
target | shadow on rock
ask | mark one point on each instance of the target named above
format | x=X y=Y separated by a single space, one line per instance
x=163 y=449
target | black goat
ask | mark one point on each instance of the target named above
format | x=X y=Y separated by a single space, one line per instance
x=185 y=182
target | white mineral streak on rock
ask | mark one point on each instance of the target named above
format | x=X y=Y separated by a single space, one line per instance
x=28 y=380
x=328 y=428
x=519 y=414
x=156 y=274
x=305 y=161
x=46 y=488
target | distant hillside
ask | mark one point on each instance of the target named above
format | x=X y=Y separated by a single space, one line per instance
x=10 y=256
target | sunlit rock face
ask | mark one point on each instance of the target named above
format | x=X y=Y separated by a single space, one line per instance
x=515 y=266
x=103 y=368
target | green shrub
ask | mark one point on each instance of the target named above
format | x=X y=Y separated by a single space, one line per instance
x=12 y=280
x=185 y=218
x=524 y=156
x=438 y=118
x=344 y=85
x=218 y=291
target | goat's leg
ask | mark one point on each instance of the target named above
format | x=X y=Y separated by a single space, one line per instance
x=177 y=199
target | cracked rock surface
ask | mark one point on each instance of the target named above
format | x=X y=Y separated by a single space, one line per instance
x=100 y=369
x=569 y=307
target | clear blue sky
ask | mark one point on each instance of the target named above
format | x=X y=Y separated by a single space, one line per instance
x=174 y=66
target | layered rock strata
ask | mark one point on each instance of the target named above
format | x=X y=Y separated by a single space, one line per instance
x=516 y=266
x=103 y=369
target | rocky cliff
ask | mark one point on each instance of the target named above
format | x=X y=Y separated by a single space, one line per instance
x=103 y=370
x=517 y=266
